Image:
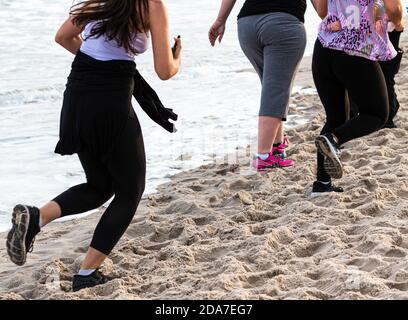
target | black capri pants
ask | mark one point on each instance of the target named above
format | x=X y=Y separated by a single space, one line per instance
x=122 y=175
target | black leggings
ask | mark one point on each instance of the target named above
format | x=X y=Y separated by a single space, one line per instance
x=336 y=73
x=122 y=175
x=390 y=70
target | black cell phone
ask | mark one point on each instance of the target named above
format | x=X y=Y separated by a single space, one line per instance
x=175 y=46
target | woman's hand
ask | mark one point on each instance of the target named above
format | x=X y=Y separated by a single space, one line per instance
x=177 y=48
x=334 y=26
x=217 y=31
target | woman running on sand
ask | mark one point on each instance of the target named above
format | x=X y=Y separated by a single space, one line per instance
x=273 y=37
x=345 y=59
x=99 y=124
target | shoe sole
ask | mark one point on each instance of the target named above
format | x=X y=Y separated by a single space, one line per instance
x=16 y=248
x=318 y=194
x=276 y=166
x=77 y=289
x=332 y=163
x=87 y=286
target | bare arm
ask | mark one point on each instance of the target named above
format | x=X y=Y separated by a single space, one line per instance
x=225 y=10
x=69 y=36
x=165 y=63
x=217 y=30
x=321 y=7
x=395 y=12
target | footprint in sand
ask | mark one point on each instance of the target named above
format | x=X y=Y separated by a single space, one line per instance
x=158 y=246
x=139 y=229
x=202 y=221
x=402 y=286
x=379 y=166
x=366 y=264
x=241 y=184
x=166 y=234
x=211 y=254
x=314 y=275
x=83 y=249
x=312 y=249
x=367 y=247
x=402 y=193
x=371 y=209
x=227 y=168
x=361 y=163
x=257 y=230
x=396 y=253
x=197 y=187
x=180 y=206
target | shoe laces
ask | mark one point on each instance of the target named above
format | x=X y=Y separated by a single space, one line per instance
x=279 y=154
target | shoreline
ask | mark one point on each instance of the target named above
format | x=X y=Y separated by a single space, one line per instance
x=223 y=232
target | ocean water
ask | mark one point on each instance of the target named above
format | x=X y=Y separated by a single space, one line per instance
x=216 y=96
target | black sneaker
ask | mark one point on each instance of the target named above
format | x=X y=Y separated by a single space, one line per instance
x=331 y=150
x=320 y=188
x=20 y=239
x=83 y=282
x=390 y=125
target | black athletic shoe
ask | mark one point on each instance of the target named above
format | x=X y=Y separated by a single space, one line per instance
x=321 y=189
x=93 y=280
x=20 y=239
x=331 y=150
x=390 y=125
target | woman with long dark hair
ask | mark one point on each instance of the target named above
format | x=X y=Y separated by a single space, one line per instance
x=273 y=37
x=345 y=60
x=99 y=124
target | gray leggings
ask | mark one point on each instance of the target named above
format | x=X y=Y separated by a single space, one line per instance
x=274 y=43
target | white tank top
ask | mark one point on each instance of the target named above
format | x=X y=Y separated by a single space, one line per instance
x=105 y=50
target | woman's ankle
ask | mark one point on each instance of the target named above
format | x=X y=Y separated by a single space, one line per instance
x=49 y=212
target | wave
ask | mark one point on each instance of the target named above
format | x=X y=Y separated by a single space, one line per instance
x=30 y=96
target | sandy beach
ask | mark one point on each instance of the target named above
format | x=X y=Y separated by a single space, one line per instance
x=223 y=231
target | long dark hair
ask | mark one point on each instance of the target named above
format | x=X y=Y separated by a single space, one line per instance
x=116 y=19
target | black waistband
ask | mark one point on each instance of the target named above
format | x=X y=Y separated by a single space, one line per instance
x=84 y=62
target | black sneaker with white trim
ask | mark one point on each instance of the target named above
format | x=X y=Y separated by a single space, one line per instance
x=20 y=239
x=94 y=279
x=320 y=188
x=331 y=150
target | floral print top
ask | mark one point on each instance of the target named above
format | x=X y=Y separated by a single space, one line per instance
x=361 y=29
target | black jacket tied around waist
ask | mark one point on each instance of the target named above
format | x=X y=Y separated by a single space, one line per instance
x=97 y=104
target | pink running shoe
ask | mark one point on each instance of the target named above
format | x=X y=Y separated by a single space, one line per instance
x=272 y=162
